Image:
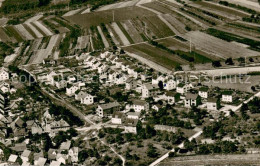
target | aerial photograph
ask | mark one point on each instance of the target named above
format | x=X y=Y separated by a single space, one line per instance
x=130 y=82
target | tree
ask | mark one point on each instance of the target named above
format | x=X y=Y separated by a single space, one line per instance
x=172 y=154
x=160 y=84
x=229 y=61
x=152 y=151
x=253 y=88
x=216 y=64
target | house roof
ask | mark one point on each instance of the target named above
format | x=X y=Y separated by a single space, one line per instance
x=131 y=122
x=109 y=105
x=41 y=161
x=227 y=93
x=12 y=158
x=26 y=153
x=171 y=93
x=212 y=100
x=133 y=114
x=150 y=86
x=139 y=102
x=65 y=145
x=191 y=96
x=55 y=163
x=118 y=114
x=204 y=89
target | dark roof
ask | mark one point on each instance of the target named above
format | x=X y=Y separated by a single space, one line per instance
x=212 y=100
x=227 y=93
x=131 y=122
x=118 y=115
x=191 y=96
x=109 y=105
x=204 y=89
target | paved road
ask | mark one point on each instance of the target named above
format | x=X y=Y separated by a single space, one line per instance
x=156 y=162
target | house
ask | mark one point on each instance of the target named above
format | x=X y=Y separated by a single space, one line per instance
x=183 y=88
x=213 y=104
x=87 y=99
x=65 y=145
x=203 y=92
x=55 y=163
x=73 y=153
x=139 y=105
x=4 y=75
x=156 y=80
x=60 y=125
x=172 y=97
x=149 y=90
x=130 y=84
x=133 y=115
x=26 y=155
x=79 y=95
x=61 y=84
x=104 y=110
x=130 y=126
x=4 y=87
x=227 y=96
x=170 y=85
x=12 y=158
x=191 y=100
x=40 y=161
x=71 y=89
x=157 y=107
x=118 y=118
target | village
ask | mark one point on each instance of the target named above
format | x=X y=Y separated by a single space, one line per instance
x=108 y=91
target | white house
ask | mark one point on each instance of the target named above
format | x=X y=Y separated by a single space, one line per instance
x=133 y=115
x=139 y=105
x=183 y=88
x=73 y=153
x=203 y=92
x=61 y=84
x=87 y=99
x=149 y=90
x=79 y=95
x=104 y=110
x=227 y=96
x=5 y=87
x=25 y=155
x=170 y=85
x=191 y=100
x=130 y=126
x=40 y=161
x=4 y=75
x=213 y=104
x=130 y=84
x=71 y=89
x=172 y=97
x=118 y=117
x=156 y=80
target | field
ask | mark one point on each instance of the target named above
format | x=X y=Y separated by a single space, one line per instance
x=217 y=47
x=156 y=55
x=239 y=159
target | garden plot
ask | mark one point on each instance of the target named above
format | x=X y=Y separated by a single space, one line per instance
x=112 y=35
x=82 y=42
x=3 y=36
x=35 y=31
x=45 y=53
x=132 y=31
x=3 y=21
x=72 y=12
x=23 y=32
x=118 y=5
x=218 y=47
x=103 y=37
x=120 y=34
x=86 y=11
x=156 y=55
x=179 y=26
x=43 y=28
x=33 y=19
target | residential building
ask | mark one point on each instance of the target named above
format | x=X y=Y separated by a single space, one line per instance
x=191 y=100
x=213 y=104
x=130 y=84
x=227 y=96
x=130 y=126
x=183 y=88
x=87 y=99
x=139 y=105
x=4 y=75
x=172 y=97
x=203 y=92
x=118 y=117
x=104 y=110
x=149 y=90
